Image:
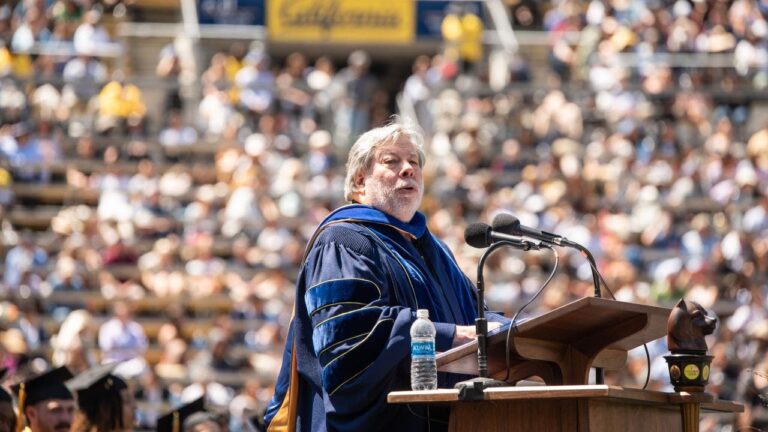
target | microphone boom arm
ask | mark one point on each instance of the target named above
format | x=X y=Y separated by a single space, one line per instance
x=599 y=373
x=481 y=324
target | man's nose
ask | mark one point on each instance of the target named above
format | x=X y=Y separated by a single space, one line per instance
x=407 y=169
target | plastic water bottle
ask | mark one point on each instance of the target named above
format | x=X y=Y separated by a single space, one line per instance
x=423 y=366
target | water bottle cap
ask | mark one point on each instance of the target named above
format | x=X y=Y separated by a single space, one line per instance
x=422 y=313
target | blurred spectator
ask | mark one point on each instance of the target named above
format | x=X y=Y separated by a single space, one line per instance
x=175 y=182
x=294 y=97
x=21 y=261
x=152 y=391
x=244 y=405
x=255 y=83
x=176 y=133
x=6 y=59
x=67 y=14
x=29 y=322
x=351 y=91
x=73 y=345
x=205 y=271
x=169 y=69
x=112 y=288
x=221 y=357
x=90 y=37
x=217 y=75
x=33 y=29
x=15 y=352
x=172 y=364
x=83 y=76
x=320 y=157
x=161 y=273
x=146 y=180
x=48 y=104
x=120 y=105
x=418 y=93
x=200 y=215
x=122 y=339
x=24 y=153
x=66 y=275
x=319 y=80
x=6 y=181
x=215 y=111
x=204 y=384
x=5 y=22
x=118 y=252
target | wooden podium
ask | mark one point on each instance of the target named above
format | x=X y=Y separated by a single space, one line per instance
x=559 y=347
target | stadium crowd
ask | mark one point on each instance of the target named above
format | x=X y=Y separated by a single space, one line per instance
x=657 y=166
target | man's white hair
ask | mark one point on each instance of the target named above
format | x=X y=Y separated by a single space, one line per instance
x=362 y=152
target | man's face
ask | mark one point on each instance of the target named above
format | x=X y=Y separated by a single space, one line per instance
x=7 y=417
x=52 y=415
x=393 y=183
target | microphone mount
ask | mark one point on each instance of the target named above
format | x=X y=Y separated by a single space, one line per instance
x=473 y=389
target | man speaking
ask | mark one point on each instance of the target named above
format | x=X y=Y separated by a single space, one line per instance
x=367 y=269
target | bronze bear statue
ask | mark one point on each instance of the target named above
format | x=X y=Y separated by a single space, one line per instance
x=687 y=325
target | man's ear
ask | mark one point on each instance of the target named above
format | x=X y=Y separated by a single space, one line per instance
x=31 y=414
x=359 y=182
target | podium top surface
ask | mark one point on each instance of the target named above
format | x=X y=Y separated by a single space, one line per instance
x=579 y=321
x=708 y=402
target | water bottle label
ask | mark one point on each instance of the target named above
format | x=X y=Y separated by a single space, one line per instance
x=422 y=349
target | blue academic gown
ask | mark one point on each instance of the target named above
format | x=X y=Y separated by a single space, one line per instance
x=356 y=298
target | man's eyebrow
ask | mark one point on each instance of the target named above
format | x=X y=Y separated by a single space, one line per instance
x=394 y=153
x=386 y=153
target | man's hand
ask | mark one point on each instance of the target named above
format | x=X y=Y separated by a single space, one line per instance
x=466 y=334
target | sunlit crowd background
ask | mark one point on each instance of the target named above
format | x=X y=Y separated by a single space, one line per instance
x=163 y=227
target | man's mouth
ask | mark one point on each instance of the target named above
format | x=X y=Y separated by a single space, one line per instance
x=407 y=188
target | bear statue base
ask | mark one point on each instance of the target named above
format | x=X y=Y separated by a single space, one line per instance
x=689 y=372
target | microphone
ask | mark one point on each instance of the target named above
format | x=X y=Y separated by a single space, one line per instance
x=480 y=235
x=508 y=224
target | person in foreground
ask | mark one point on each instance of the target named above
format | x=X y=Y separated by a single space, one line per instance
x=45 y=403
x=104 y=400
x=369 y=266
x=7 y=416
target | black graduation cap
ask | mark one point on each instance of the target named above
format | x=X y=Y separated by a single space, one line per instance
x=45 y=386
x=172 y=421
x=96 y=384
x=5 y=396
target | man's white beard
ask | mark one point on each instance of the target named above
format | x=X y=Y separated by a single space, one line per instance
x=389 y=201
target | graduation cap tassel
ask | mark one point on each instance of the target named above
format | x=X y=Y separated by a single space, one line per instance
x=176 y=422
x=21 y=420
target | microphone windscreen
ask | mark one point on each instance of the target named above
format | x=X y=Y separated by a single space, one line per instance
x=478 y=235
x=506 y=223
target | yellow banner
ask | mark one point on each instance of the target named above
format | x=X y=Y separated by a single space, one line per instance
x=348 y=21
